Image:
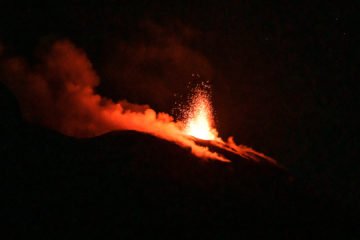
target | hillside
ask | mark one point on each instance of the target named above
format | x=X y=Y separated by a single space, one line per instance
x=130 y=184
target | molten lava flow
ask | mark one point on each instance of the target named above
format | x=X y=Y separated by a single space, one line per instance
x=199 y=118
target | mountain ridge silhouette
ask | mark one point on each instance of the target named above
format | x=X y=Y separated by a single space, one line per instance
x=126 y=184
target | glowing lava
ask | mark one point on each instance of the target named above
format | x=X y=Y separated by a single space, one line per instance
x=199 y=117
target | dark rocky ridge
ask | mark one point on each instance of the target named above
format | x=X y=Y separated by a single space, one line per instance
x=130 y=184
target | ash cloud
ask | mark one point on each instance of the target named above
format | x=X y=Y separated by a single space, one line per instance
x=59 y=93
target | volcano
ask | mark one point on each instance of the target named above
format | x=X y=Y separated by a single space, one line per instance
x=126 y=184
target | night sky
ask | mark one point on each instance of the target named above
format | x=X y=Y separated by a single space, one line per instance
x=283 y=75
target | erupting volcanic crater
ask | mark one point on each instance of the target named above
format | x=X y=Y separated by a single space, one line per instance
x=147 y=179
x=59 y=92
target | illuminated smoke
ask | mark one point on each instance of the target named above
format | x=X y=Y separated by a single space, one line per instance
x=59 y=93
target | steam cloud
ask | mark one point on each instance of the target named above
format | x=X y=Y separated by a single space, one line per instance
x=59 y=93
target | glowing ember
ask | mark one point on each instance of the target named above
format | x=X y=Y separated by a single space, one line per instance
x=199 y=117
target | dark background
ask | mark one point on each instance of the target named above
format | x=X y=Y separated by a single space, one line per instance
x=283 y=75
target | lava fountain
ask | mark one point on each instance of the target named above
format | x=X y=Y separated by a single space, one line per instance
x=199 y=116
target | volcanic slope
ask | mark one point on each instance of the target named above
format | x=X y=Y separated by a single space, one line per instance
x=128 y=184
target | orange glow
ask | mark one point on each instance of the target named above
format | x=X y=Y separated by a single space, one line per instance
x=199 y=117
